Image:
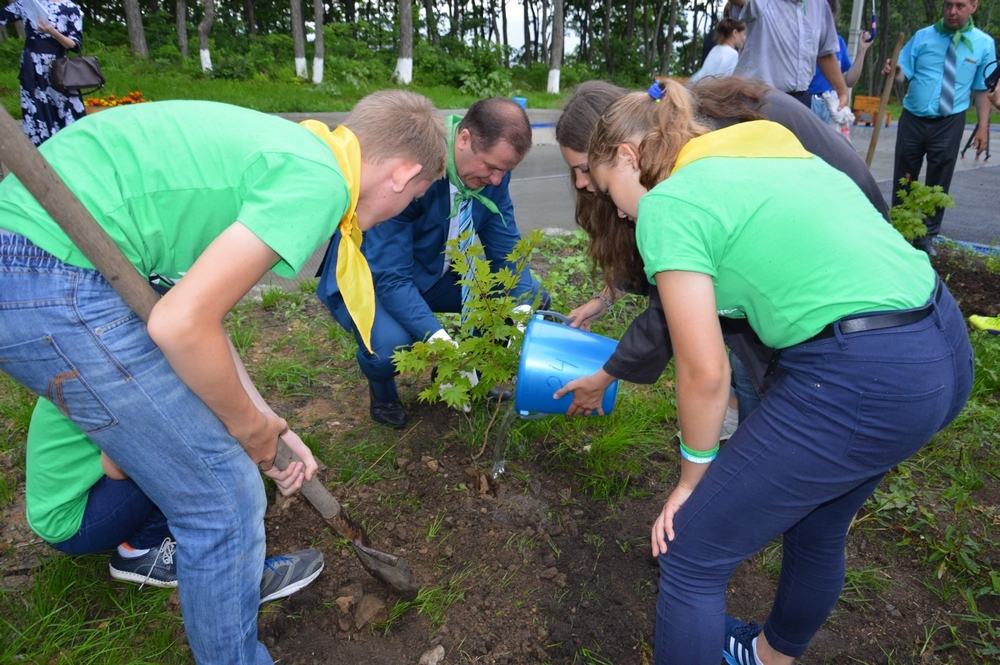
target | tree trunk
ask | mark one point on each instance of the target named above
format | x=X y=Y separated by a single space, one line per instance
x=668 y=48
x=19 y=29
x=319 y=48
x=404 y=63
x=645 y=33
x=694 y=40
x=629 y=19
x=657 y=30
x=543 y=34
x=506 y=43
x=527 y=35
x=608 y=55
x=299 y=40
x=204 y=28
x=182 y=28
x=587 y=38
x=557 y=46
x=432 y=27
x=248 y=17
x=534 y=29
x=136 y=35
x=350 y=11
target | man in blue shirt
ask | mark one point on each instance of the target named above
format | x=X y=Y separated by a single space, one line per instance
x=944 y=64
x=406 y=254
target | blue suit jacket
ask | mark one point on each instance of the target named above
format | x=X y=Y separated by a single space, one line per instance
x=406 y=253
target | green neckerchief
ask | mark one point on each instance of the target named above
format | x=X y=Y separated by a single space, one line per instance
x=956 y=35
x=451 y=122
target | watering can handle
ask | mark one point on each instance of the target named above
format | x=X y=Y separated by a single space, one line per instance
x=555 y=315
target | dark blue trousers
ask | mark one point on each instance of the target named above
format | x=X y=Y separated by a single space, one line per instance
x=117 y=512
x=848 y=409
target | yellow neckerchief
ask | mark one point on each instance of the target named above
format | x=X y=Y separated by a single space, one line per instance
x=756 y=138
x=354 y=277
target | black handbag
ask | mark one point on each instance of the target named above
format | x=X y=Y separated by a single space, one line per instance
x=76 y=76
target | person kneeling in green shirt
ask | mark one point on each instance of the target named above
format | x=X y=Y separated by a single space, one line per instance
x=80 y=502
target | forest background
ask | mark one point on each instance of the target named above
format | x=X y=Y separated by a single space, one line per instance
x=457 y=50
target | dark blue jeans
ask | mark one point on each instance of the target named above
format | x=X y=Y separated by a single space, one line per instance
x=745 y=392
x=848 y=409
x=117 y=512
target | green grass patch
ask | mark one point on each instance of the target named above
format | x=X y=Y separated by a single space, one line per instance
x=72 y=614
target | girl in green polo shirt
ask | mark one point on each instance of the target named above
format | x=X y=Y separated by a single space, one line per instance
x=743 y=222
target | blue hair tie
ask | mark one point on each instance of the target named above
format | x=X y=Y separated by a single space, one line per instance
x=657 y=91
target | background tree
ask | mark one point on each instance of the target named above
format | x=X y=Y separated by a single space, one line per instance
x=299 y=39
x=558 y=26
x=180 y=12
x=136 y=35
x=319 y=51
x=204 y=28
x=404 y=63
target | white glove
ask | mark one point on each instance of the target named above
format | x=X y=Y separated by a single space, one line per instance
x=522 y=309
x=471 y=376
x=839 y=116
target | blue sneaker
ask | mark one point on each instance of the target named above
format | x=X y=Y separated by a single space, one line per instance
x=155 y=568
x=284 y=575
x=738 y=649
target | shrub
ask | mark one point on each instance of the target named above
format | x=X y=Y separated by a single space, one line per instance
x=917 y=202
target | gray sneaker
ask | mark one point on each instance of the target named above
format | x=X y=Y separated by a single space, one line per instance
x=284 y=575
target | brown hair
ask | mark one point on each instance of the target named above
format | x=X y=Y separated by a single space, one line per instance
x=611 y=250
x=657 y=128
x=613 y=247
x=727 y=27
x=397 y=123
x=497 y=119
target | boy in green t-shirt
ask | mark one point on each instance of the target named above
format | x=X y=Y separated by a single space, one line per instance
x=218 y=195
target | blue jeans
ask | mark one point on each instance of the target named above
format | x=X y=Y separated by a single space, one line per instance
x=743 y=386
x=388 y=334
x=65 y=334
x=848 y=409
x=117 y=511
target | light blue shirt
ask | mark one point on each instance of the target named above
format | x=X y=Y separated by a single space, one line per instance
x=922 y=62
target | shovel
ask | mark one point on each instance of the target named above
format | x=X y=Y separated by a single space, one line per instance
x=24 y=161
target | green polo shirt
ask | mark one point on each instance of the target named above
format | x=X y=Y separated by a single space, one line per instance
x=791 y=244
x=164 y=179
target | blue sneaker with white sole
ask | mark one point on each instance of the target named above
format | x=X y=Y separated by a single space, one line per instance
x=738 y=648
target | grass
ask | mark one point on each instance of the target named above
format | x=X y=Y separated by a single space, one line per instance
x=938 y=508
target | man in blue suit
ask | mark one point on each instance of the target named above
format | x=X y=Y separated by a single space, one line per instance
x=406 y=254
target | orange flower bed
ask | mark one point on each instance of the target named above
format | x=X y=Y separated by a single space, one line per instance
x=134 y=97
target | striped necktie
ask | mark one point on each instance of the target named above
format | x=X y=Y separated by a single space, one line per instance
x=465 y=235
x=948 y=82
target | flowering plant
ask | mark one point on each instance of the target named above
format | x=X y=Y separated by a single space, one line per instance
x=134 y=97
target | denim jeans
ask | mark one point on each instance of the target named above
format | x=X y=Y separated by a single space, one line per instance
x=65 y=334
x=743 y=387
x=117 y=511
x=847 y=409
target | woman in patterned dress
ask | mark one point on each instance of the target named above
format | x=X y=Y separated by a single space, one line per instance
x=45 y=109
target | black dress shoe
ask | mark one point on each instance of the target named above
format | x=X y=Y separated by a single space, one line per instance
x=386 y=413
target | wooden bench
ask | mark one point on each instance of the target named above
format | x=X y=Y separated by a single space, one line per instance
x=865 y=109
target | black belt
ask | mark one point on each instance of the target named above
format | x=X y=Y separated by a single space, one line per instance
x=868 y=322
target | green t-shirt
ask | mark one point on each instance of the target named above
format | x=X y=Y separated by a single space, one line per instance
x=61 y=465
x=164 y=179
x=791 y=244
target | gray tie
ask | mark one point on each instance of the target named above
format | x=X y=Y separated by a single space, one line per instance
x=948 y=82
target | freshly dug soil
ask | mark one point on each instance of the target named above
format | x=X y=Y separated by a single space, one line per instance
x=543 y=573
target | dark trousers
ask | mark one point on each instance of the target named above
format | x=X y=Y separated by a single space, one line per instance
x=117 y=512
x=937 y=138
x=846 y=410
